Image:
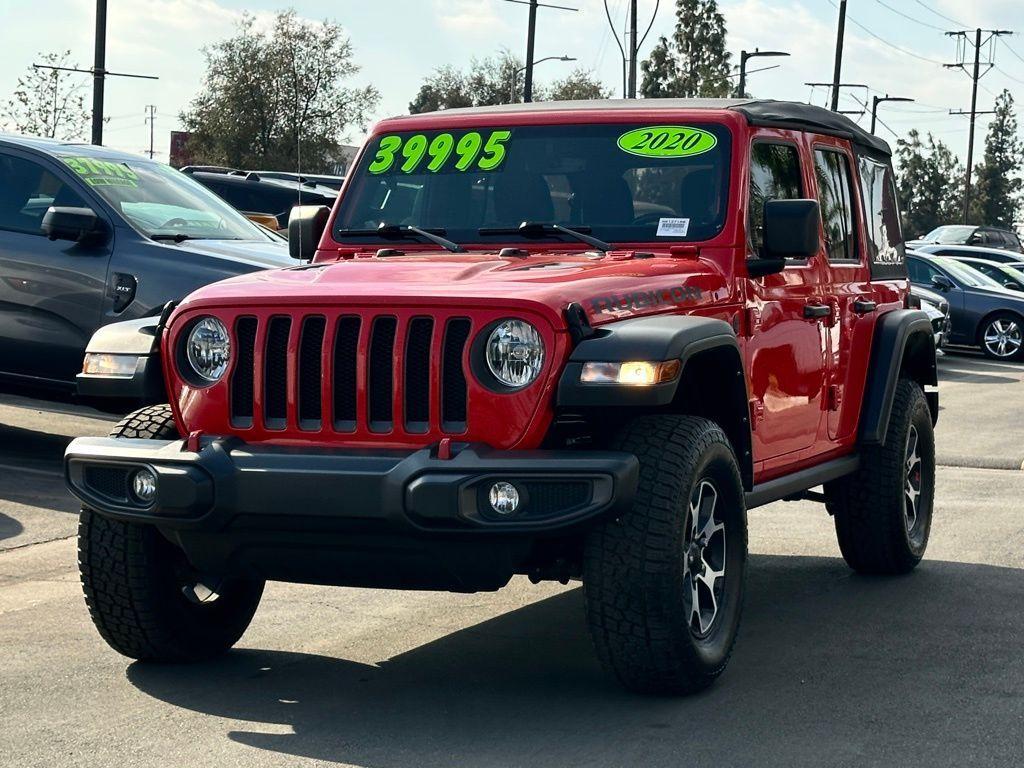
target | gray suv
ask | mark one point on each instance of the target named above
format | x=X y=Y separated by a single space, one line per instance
x=90 y=236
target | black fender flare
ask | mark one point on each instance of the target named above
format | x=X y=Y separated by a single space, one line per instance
x=654 y=339
x=902 y=340
x=661 y=338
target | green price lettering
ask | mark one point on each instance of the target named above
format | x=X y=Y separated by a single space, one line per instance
x=440 y=150
x=667 y=141
x=385 y=154
x=102 y=173
x=413 y=151
x=494 y=151
x=467 y=149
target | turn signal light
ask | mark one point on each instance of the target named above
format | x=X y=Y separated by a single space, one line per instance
x=109 y=365
x=631 y=374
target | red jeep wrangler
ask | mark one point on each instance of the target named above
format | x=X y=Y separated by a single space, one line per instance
x=570 y=340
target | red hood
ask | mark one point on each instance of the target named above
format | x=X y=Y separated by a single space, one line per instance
x=610 y=287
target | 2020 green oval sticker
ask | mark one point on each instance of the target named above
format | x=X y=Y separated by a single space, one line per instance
x=667 y=141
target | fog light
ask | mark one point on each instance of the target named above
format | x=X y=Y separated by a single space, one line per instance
x=144 y=486
x=504 y=498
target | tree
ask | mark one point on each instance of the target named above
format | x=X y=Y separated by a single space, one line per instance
x=694 y=62
x=996 y=196
x=580 y=84
x=930 y=184
x=277 y=99
x=497 y=80
x=49 y=102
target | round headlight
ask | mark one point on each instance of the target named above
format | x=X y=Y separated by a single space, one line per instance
x=515 y=353
x=208 y=349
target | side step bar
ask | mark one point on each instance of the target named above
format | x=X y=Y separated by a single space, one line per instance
x=796 y=483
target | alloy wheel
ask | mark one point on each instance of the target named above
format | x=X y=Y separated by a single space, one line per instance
x=703 y=559
x=912 y=480
x=1003 y=337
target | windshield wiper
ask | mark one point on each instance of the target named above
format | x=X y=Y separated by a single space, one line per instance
x=175 y=236
x=406 y=230
x=540 y=229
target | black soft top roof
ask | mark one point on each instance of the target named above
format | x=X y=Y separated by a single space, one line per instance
x=762 y=112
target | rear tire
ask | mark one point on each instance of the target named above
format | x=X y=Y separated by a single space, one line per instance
x=145 y=599
x=883 y=512
x=645 y=572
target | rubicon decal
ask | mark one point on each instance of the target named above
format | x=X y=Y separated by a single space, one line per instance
x=617 y=302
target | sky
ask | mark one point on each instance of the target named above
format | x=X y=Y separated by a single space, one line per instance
x=893 y=46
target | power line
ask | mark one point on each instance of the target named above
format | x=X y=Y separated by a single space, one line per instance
x=881 y=39
x=1004 y=73
x=909 y=17
x=1011 y=49
x=940 y=15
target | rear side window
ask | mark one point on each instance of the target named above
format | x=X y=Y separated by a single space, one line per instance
x=774 y=175
x=882 y=218
x=832 y=170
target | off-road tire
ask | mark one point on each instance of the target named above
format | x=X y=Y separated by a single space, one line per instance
x=869 y=505
x=633 y=573
x=131 y=575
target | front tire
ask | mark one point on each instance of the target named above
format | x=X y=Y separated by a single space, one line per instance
x=144 y=597
x=664 y=582
x=883 y=512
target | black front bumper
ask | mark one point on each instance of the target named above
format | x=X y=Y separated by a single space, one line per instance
x=379 y=518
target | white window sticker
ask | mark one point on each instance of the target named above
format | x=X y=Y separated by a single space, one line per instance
x=673 y=227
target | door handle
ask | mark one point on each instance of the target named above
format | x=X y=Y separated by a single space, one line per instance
x=817 y=311
x=864 y=306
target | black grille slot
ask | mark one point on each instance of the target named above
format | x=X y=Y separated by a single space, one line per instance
x=382 y=385
x=242 y=377
x=417 y=374
x=453 y=389
x=275 y=377
x=311 y=346
x=109 y=482
x=346 y=346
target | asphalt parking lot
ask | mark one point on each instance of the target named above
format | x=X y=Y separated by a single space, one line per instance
x=831 y=669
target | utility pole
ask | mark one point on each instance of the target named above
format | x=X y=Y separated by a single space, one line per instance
x=745 y=56
x=634 y=46
x=99 y=71
x=976 y=74
x=876 y=100
x=531 y=35
x=151 y=118
x=837 y=72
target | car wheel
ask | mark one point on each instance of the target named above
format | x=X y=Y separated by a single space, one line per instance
x=664 y=582
x=883 y=511
x=144 y=597
x=1002 y=337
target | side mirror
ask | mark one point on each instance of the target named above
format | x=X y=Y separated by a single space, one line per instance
x=791 y=231
x=79 y=225
x=306 y=224
x=942 y=282
x=1014 y=286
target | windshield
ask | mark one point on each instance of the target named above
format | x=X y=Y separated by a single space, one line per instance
x=948 y=234
x=162 y=202
x=618 y=183
x=967 y=275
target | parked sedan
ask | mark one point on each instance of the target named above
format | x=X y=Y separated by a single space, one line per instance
x=937 y=308
x=967 y=234
x=982 y=312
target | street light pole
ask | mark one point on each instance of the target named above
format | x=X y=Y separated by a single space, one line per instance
x=746 y=56
x=99 y=71
x=838 y=70
x=876 y=100
x=515 y=74
x=530 y=35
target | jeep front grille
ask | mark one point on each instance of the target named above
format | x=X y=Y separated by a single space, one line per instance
x=382 y=374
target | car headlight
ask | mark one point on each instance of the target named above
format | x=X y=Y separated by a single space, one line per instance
x=208 y=349
x=515 y=353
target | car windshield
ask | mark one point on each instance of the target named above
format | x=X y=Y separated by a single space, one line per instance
x=967 y=275
x=949 y=234
x=161 y=202
x=617 y=183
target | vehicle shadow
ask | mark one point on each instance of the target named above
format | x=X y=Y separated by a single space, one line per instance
x=9 y=527
x=830 y=669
